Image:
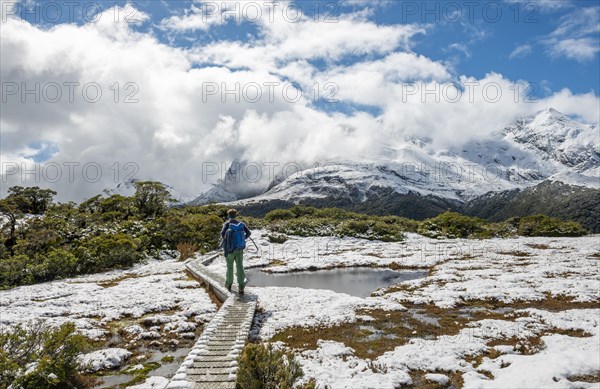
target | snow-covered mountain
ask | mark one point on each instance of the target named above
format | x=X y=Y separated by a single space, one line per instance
x=552 y=135
x=528 y=151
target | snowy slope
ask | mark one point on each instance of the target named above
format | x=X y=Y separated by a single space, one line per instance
x=552 y=135
x=528 y=151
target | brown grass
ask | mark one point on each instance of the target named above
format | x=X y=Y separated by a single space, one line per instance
x=394 y=328
x=277 y=262
x=551 y=302
x=525 y=346
x=207 y=288
x=591 y=378
x=539 y=246
x=515 y=253
x=186 y=250
x=116 y=281
x=419 y=380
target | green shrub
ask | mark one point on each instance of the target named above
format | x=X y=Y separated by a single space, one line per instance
x=14 y=272
x=58 y=263
x=541 y=225
x=199 y=229
x=309 y=221
x=338 y=214
x=451 y=225
x=37 y=238
x=40 y=357
x=280 y=214
x=107 y=251
x=388 y=232
x=263 y=367
x=277 y=238
x=404 y=224
x=303 y=210
x=305 y=226
x=355 y=227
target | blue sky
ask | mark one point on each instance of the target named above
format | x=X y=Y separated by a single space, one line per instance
x=475 y=37
x=370 y=53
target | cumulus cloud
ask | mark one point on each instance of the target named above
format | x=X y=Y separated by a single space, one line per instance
x=170 y=110
x=202 y=16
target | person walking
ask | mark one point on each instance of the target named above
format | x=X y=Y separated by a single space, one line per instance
x=234 y=234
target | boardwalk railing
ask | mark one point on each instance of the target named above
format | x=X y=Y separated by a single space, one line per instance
x=212 y=362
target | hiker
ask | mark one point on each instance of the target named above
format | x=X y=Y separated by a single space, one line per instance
x=234 y=234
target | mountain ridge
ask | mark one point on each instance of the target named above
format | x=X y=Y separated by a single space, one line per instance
x=546 y=150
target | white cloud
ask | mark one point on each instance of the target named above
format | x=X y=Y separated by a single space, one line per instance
x=286 y=36
x=532 y=6
x=201 y=16
x=585 y=106
x=579 y=49
x=520 y=51
x=174 y=127
x=577 y=35
x=460 y=48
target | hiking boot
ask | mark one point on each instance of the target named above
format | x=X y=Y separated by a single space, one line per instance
x=242 y=291
x=228 y=288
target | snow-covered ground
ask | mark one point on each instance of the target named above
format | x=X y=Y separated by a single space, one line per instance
x=94 y=301
x=527 y=309
x=153 y=302
x=520 y=276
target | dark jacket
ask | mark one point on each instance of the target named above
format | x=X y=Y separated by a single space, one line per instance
x=226 y=227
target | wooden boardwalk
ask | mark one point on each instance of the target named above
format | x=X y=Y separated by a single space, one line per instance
x=212 y=363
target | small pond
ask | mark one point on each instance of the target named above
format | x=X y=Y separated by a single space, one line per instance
x=355 y=281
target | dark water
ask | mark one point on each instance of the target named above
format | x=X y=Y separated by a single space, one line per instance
x=355 y=281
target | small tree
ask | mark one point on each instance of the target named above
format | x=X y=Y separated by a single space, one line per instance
x=151 y=198
x=9 y=209
x=263 y=367
x=31 y=199
x=50 y=353
x=107 y=251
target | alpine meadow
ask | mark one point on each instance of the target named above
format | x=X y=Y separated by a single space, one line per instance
x=300 y=194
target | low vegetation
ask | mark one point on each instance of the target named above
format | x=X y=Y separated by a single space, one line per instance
x=310 y=221
x=264 y=366
x=43 y=241
x=40 y=357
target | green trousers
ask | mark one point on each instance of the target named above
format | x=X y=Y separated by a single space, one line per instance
x=237 y=257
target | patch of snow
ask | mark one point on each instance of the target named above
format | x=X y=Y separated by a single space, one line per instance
x=437 y=378
x=285 y=307
x=333 y=365
x=146 y=288
x=109 y=358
